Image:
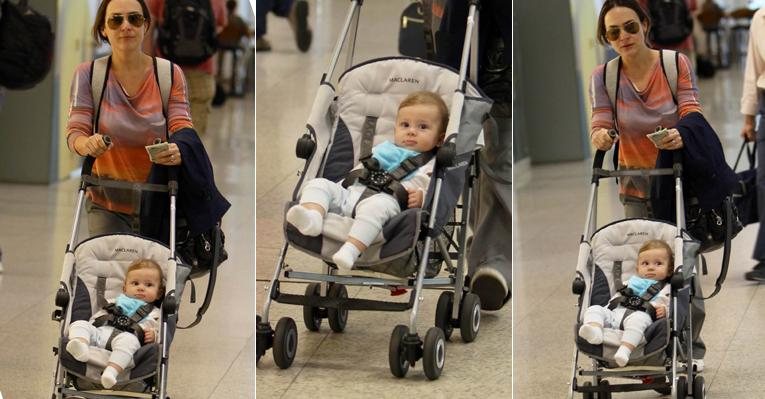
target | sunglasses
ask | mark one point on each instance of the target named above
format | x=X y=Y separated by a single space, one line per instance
x=614 y=32
x=134 y=18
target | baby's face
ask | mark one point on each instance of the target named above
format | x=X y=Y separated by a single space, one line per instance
x=653 y=264
x=418 y=127
x=143 y=284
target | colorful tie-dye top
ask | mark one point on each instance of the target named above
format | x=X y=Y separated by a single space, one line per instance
x=132 y=122
x=639 y=113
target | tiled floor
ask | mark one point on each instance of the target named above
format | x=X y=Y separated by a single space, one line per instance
x=353 y=364
x=212 y=360
x=550 y=214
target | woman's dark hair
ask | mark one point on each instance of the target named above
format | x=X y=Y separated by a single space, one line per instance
x=101 y=19
x=608 y=5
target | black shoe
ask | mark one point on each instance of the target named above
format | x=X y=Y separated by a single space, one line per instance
x=490 y=285
x=757 y=273
x=299 y=22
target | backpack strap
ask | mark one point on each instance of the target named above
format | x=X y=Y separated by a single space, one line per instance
x=669 y=66
x=163 y=73
x=611 y=74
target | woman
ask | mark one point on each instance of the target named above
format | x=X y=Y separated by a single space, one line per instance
x=644 y=99
x=131 y=115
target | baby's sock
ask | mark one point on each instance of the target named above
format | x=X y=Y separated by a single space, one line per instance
x=78 y=349
x=346 y=256
x=622 y=355
x=109 y=377
x=308 y=221
x=591 y=334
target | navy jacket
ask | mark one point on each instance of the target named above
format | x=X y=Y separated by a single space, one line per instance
x=198 y=201
x=706 y=174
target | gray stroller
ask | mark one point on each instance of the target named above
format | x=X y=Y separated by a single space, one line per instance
x=344 y=123
x=607 y=257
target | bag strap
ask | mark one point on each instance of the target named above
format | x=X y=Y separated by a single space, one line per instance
x=728 y=210
x=669 y=66
x=212 y=278
x=751 y=152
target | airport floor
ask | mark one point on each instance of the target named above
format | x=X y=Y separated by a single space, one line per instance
x=352 y=364
x=550 y=206
x=215 y=359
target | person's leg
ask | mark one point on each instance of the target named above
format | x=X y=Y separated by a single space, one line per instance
x=634 y=326
x=593 y=321
x=103 y=221
x=80 y=333
x=124 y=345
x=758 y=273
x=201 y=86
x=371 y=215
x=636 y=208
x=698 y=315
x=262 y=7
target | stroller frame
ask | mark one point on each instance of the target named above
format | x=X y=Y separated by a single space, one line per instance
x=680 y=378
x=62 y=380
x=327 y=298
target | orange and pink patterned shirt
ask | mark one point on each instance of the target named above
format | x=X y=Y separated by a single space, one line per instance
x=639 y=113
x=132 y=122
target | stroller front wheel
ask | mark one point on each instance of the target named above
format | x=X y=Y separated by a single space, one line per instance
x=285 y=342
x=397 y=359
x=444 y=313
x=470 y=317
x=434 y=353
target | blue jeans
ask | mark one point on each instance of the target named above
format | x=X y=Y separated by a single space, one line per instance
x=262 y=7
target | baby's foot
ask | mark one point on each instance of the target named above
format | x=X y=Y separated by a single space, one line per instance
x=308 y=221
x=622 y=356
x=346 y=256
x=591 y=334
x=109 y=377
x=78 y=349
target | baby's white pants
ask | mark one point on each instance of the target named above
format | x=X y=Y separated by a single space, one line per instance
x=124 y=344
x=634 y=324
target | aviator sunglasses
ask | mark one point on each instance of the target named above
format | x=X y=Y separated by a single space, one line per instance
x=614 y=32
x=134 y=18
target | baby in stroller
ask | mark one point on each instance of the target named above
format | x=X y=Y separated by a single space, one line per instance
x=124 y=325
x=394 y=177
x=644 y=299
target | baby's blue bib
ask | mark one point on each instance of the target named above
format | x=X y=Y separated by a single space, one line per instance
x=639 y=285
x=128 y=305
x=390 y=155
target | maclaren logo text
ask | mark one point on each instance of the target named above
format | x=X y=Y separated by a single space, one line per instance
x=128 y=250
x=399 y=79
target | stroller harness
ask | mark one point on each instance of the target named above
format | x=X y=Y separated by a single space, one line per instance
x=632 y=302
x=377 y=180
x=123 y=323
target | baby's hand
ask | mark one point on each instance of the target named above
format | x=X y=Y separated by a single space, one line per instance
x=661 y=311
x=415 y=198
x=149 y=335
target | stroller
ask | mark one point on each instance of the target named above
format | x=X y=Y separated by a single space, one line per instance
x=93 y=271
x=606 y=259
x=343 y=124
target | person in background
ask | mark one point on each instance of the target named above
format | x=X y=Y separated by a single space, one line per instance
x=296 y=11
x=200 y=77
x=687 y=46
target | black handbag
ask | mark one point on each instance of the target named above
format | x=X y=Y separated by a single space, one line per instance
x=199 y=251
x=745 y=195
x=710 y=226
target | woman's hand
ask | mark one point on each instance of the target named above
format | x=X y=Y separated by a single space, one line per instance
x=602 y=140
x=149 y=335
x=747 y=131
x=93 y=146
x=672 y=141
x=170 y=157
x=415 y=198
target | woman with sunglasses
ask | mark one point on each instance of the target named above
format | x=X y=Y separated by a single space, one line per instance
x=644 y=100
x=131 y=115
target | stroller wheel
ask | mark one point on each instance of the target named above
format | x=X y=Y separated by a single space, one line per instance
x=470 y=317
x=397 y=359
x=587 y=395
x=434 y=353
x=444 y=313
x=604 y=394
x=285 y=342
x=698 y=388
x=682 y=387
x=337 y=316
x=312 y=314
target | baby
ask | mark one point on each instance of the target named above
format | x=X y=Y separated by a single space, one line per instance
x=110 y=330
x=654 y=267
x=420 y=126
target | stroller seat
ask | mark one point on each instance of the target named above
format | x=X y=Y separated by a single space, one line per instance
x=613 y=256
x=99 y=265
x=359 y=115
